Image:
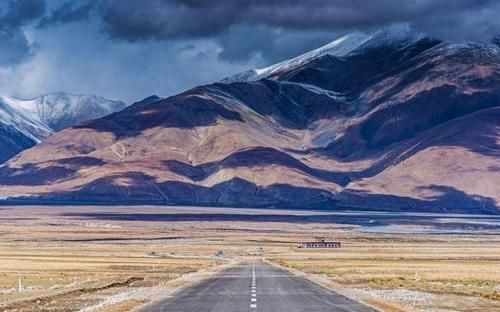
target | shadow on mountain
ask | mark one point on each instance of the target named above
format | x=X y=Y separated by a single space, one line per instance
x=13 y=142
x=291 y=105
x=477 y=132
x=80 y=161
x=425 y=111
x=446 y=199
x=254 y=157
x=494 y=168
x=31 y=174
x=350 y=74
x=139 y=188
x=396 y=123
x=187 y=110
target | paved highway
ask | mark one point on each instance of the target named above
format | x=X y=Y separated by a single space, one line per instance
x=256 y=287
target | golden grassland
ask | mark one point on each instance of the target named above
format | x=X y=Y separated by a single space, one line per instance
x=70 y=262
x=61 y=278
x=464 y=268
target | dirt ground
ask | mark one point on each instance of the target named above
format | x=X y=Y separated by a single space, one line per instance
x=119 y=258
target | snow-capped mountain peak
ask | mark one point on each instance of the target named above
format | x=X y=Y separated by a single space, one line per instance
x=353 y=43
x=24 y=123
x=19 y=128
x=395 y=33
x=339 y=47
x=60 y=110
x=19 y=119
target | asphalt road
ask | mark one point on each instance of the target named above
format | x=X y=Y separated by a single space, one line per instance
x=256 y=287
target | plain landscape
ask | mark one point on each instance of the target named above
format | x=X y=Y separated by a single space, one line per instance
x=97 y=258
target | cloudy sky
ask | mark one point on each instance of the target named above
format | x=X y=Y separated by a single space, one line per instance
x=130 y=49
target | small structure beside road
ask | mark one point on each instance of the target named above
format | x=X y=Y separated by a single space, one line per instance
x=219 y=253
x=319 y=243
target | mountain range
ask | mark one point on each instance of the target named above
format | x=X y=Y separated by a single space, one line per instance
x=24 y=123
x=390 y=120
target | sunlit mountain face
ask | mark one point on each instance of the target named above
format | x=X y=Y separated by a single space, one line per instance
x=389 y=120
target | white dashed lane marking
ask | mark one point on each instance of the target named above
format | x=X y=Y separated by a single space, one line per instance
x=253 y=294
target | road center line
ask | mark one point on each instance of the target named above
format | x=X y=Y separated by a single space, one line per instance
x=253 y=295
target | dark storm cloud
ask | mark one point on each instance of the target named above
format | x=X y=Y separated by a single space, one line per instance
x=248 y=28
x=68 y=12
x=136 y=19
x=243 y=42
x=130 y=49
x=170 y=19
x=21 y=12
x=257 y=39
x=14 y=46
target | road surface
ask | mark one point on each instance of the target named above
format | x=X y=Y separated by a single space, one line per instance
x=256 y=287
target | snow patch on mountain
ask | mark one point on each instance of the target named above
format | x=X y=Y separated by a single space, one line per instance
x=317 y=90
x=340 y=47
x=350 y=44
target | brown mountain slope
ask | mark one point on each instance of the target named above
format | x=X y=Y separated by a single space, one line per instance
x=422 y=133
x=439 y=169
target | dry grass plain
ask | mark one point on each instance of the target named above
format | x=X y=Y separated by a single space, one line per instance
x=119 y=258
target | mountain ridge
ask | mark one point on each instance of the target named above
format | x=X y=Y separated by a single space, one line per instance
x=59 y=110
x=369 y=130
x=26 y=122
x=349 y=44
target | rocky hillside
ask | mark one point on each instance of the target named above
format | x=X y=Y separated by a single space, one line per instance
x=389 y=120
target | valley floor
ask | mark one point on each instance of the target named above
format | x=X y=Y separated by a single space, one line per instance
x=95 y=258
